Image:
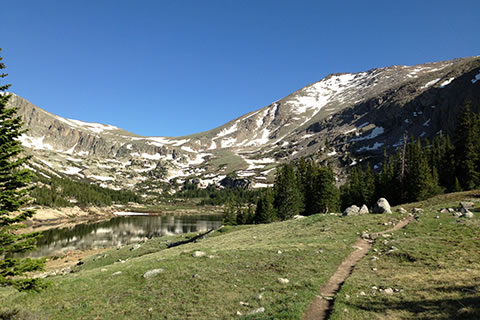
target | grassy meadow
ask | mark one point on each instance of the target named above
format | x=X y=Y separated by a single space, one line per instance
x=432 y=267
x=239 y=273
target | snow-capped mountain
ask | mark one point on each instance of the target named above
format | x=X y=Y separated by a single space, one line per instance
x=342 y=118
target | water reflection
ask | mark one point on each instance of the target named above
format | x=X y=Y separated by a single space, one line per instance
x=119 y=231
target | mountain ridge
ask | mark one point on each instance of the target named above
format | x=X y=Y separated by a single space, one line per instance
x=356 y=114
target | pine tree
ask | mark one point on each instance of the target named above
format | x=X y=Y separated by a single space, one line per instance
x=14 y=188
x=287 y=194
x=229 y=213
x=326 y=196
x=265 y=211
x=467 y=149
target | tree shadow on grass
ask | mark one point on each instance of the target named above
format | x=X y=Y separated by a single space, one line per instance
x=465 y=308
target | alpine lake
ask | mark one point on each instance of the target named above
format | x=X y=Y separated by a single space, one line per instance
x=124 y=229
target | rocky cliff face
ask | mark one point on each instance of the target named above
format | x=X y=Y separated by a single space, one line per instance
x=343 y=118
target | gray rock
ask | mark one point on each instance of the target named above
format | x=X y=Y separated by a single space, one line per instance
x=402 y=210
x=382 y=206
x=259 y=310
x=116 y=273
x=468 y=214
x=451 y=210
x=152 y=273
x=283 y=280
x=444 y=210
x=365 y=235
x=363 y=210
x=351 y=211
x=417 y=210
x=198 y=254
x=457 y=214
x=466 y=205
x=388 y=291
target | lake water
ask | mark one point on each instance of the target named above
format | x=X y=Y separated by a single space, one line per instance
x=119 y=231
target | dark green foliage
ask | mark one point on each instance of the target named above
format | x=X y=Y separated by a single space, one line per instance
x=420 y=183
x=287 y=196
x=229 y=214
x=14 y=188
x=467 y=149
x=430 y=168
x=322 y=194
x=213 y=195
x=56 y=192
x=265 y=211
x=360 y=187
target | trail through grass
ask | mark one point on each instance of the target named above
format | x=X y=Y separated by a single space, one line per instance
x=238 y=274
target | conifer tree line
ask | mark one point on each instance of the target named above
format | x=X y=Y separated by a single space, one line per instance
x=422 y=169
x=303 y=187
x=57 y=192
x=417 y=171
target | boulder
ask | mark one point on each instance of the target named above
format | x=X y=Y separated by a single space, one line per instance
x=259 y=310
x=363 y=209
x=466 y=205
x=468 y=214
x=388 y=291
x=382 y=206
x=152 y=273
x=198 y=254
x=417 y=210
x=351 y=211
x=402 y=210
x=444 y=210
x=283 y=280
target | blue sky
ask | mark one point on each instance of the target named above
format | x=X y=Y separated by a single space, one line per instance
x=171 y=68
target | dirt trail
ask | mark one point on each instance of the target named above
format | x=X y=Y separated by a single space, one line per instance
x=323 y=303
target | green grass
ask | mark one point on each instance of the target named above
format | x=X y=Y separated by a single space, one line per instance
x=435 y=266
x=229 y=160
x=241 y=264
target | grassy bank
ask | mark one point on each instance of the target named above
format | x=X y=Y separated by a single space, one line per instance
x=239 y=273
x=433 y=267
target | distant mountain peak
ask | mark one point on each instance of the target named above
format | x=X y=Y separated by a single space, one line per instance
x=357 y=114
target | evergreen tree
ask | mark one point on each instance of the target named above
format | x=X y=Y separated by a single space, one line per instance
x=265 y=211
x=229 y=214
x=467 y=149
x=14 y=188
x=325 y=194
x=287 y=197
x=419 y=180
x=446 y=169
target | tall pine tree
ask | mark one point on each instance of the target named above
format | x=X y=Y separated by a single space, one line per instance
x=467 y=149
x=288 y=199
x=14 y=188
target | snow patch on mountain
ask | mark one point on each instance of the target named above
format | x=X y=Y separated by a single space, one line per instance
x=101 y=178
x=376 y=146
x=34 y=143
x=228 y=131
x=477 y=78
x=430 y=83
x=373 y=134
x=446 y=82
x=72 y=170
x=94 y=127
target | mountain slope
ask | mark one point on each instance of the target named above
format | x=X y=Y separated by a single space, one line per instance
x=355 y=115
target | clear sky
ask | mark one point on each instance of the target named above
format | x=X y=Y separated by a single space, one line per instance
x=177 y=67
